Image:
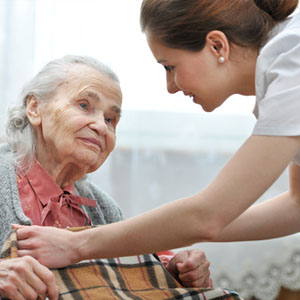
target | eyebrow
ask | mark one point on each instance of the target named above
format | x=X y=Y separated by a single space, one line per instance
x=93 y=95
x=116 y=109
x=161 y=61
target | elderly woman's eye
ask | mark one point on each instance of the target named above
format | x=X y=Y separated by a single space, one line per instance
x=83 y=105
x=109 y=120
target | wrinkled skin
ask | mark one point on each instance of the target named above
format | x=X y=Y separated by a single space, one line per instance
x=25 y=278
x=190 y=267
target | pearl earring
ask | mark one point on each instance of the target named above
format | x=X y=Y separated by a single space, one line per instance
x=221 y=59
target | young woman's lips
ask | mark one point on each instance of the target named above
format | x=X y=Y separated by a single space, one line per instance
x=93 y=141
x=189 y=95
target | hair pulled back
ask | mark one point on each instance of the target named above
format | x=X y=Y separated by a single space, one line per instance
x=184 y=24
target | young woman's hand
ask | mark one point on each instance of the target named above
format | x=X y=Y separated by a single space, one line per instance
x=52 y=247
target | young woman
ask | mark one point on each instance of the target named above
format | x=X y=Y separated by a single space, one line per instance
x=211 y=50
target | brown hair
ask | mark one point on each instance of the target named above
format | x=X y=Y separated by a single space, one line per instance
x=184 y=24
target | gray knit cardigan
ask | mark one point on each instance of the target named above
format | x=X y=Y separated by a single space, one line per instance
x=107 y=210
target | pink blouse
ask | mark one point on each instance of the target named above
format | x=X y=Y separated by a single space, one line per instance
x=46 y=204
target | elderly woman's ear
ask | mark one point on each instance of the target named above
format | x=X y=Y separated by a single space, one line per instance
x=33 y=110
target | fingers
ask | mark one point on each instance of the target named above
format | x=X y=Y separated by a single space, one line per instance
x=171 y=266
x=24 y=278
x=10 y=285
x=17 y=226
x=23 y=232
x=41 y=279
x=193 y=259
x=196 y=278
x=41 y=242
x=165 y=260
x=26 y=241
x=181 y=257
x=193 y=269
x=199 y=283
x=47 y=277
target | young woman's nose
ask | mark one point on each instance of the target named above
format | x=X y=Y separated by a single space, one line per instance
x=171 y=84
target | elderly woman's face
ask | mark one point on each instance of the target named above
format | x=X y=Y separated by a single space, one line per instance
x=77 y=126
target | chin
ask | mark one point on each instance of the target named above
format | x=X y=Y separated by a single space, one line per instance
x=211 y=108
x=92 y=169
x=211 y=103
x=94 y=165
x=208 y=109
x=204 y=107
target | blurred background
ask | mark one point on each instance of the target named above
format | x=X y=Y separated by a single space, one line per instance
x=167 y=147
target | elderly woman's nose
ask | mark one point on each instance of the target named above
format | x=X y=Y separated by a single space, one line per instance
x=99 y=124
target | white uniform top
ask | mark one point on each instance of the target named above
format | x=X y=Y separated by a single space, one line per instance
x=278 y=83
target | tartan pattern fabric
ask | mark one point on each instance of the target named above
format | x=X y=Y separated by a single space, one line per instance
x=136 y=277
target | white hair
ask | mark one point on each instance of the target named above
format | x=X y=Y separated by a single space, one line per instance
x=19 y=132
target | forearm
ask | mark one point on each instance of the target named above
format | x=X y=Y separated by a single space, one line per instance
x=274 y=218
x=203 y=216
x=157 y=230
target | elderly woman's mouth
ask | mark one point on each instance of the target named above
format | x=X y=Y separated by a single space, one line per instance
x=93 y=142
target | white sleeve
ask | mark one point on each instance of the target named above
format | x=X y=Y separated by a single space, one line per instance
x=278 y=86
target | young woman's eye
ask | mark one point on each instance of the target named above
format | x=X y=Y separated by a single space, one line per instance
x=169 y=68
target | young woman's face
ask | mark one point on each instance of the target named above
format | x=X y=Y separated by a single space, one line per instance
x=197 y=74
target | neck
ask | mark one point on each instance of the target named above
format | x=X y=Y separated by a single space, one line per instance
x=245 y=66
x=63 y=173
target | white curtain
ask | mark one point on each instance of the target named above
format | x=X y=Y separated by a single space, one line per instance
x=17 y=44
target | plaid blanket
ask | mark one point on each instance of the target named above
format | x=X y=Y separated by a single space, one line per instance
x=135 y=277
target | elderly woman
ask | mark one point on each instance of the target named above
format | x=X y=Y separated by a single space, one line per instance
x=64 y=129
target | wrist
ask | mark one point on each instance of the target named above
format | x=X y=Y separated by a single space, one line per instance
x=83 y=245
x=78 y=246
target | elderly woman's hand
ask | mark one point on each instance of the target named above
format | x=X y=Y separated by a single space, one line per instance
x=51 y=246
x=191 y=267
x=25 y=278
